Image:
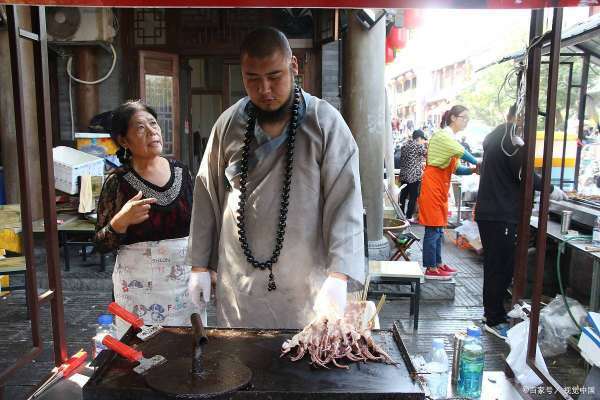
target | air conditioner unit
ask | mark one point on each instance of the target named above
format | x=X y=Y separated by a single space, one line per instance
x=79 y=25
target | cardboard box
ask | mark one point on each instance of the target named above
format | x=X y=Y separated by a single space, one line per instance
x=69 y=164
x=589 y=345
x=594 y=320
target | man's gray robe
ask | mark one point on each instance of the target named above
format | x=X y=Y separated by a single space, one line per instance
x=324 y=231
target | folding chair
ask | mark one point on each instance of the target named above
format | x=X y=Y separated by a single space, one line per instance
x=402 y=240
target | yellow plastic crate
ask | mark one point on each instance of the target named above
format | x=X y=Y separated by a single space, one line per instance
x=11 y=241
x=4 y=281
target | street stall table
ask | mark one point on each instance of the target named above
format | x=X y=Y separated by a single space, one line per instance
x=273 y=377
x=12 y=266
x=73 y=232
x=407 y=273
x=553 y=231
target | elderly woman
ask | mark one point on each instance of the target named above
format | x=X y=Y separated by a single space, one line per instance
x=144 y=213
x=442 y=161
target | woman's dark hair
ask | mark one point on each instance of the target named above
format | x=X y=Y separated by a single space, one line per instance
x=453 y=112
x=120 y=123
x=418 y=134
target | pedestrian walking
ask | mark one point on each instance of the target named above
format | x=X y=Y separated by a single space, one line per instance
x=412 y=160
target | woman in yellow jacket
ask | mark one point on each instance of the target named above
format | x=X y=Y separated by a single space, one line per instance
x=442 y=161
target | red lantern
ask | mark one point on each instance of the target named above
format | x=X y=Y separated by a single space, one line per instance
x=412 y=18
x=389 y=53
x=398 y=37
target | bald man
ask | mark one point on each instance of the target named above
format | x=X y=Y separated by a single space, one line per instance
x=277 y=201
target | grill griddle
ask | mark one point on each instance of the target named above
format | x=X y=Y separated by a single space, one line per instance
x=272 y=377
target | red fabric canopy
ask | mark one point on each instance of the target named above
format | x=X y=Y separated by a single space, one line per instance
x=307 y=3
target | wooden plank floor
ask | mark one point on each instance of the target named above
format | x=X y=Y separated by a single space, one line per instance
x=87 y=293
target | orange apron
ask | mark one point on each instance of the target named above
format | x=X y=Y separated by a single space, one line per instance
x=433 y=200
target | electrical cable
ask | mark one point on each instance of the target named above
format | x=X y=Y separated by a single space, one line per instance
x=71 y=109
x=561 y=248
x=97 y=81
x=105 y=77
x=520 y=69
x=512 y=133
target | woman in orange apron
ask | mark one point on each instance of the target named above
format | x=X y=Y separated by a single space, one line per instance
x=442 y=161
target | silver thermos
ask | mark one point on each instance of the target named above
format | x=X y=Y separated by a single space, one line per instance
x=565 y=221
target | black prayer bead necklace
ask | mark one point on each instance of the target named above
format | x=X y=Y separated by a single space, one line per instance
x=285 y=191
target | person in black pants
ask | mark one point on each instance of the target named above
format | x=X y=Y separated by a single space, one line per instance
x=410 y=193
x=412 y=159
x=497 y=215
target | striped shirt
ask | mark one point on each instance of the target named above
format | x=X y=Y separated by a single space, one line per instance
x=442 y=148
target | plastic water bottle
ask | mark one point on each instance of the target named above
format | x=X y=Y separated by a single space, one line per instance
x=437 y=380
x=105 y=327
x=596 y=233
x=470 y=375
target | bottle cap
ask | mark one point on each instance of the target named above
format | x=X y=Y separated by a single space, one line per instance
x=437 y=343
x=105 y=319
x=473 y=331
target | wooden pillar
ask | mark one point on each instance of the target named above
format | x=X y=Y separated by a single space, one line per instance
x=7 y=121
x=86 y=69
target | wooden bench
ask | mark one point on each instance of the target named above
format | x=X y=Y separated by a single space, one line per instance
x=407 y=273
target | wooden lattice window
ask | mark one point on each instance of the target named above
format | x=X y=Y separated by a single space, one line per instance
x=159 y=88
x=149 y=26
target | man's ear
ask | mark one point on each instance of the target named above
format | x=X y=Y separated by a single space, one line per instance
x=294 y=63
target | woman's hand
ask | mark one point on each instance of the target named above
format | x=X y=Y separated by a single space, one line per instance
x=135 y=211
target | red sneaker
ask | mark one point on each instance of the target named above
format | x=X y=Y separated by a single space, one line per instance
x=448 y=269
x=438 y=274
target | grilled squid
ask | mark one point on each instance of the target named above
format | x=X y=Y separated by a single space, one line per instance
x=330 y=341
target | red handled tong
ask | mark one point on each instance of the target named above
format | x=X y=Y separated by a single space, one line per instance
x=145 y=332
x=133 y=355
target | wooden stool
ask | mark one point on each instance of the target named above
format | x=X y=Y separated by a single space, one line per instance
x=403 y=241
x=399 y=273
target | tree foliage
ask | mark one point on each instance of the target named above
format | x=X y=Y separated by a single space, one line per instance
x=488 y=97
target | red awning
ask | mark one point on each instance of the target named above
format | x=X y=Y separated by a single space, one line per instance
x=308 y=3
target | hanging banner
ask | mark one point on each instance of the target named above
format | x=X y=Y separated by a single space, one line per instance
x=480 y=4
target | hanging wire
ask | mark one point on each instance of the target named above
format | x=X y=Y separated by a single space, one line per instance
x=514 y=129
x=72 y=78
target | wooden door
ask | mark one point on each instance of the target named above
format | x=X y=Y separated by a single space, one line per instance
x=159 y=88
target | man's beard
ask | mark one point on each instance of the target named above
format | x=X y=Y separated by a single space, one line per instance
x=279 y=114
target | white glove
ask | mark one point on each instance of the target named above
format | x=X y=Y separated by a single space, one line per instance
x=558 y=195
x=199 y=288
x=331 y=300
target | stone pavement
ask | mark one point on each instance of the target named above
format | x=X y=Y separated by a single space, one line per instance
x=87 y=292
